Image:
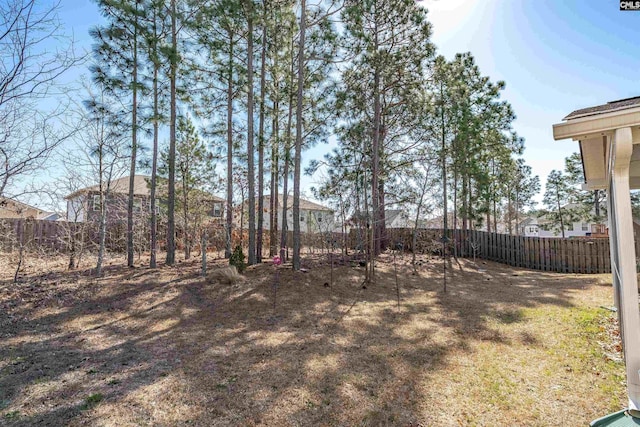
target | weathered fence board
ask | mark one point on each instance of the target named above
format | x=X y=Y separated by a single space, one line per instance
x=574 y=255
x=571 y=255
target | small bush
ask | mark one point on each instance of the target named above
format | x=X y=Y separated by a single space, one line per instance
x=237 y=259
x=92 y=401
x=13 y=415
x=225 y=275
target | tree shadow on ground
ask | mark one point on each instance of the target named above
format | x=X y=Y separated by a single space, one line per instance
x=164 y=347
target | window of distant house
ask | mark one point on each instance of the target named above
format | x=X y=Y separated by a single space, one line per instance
x=137 y=204
x=570 y=227
x=96 y=202
x=301 y=219
x=319 y=218
x=532 y=229
x=217 y=209
x=585 y=226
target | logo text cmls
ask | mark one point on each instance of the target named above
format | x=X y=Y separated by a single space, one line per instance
x=629 y=5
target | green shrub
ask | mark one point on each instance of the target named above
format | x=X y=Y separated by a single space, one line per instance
x=237 y=259
x=92 y=401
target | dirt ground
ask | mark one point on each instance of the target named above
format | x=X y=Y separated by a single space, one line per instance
x=141 y=347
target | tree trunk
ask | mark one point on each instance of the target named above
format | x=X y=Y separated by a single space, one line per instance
x=263 y=60
x=171 y=203
x=134 y=144
x=287 y=158
x=101 y=234
x=229 y=212
x=250 y=131
x=444 y=166
x=375 y=163
x=455 y=211
x=185 y=212
x=560 y=215
x=203 y=252
x=517 y=211
x=465 y=206
x=72 y=243
x=273 y=199
x=382 y=226
x=102 y=228
x=154 y=162
x=444 y=194
x=369 y=233
x=298 y=145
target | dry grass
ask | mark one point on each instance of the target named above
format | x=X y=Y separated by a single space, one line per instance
x=225 y=276
x=503 y=347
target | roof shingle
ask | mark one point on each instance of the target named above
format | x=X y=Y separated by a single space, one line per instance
x=621 y=104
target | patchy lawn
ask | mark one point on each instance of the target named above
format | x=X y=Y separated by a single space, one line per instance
x=503 y=346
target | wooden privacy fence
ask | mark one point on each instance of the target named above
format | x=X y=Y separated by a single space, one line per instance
x=572 y=255
x=56 y=236
x=34 y=234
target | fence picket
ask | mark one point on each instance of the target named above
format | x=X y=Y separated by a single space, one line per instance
x=547 y=254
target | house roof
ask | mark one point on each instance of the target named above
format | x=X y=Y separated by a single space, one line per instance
x=17 y=207
x=527 y=221
x=120 y=186
x=391 y=214
x=621 y=104
x=304 y=204
x=141 y=187
x=437 y=221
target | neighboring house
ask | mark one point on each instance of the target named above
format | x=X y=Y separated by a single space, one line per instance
x=500 y=228
x=84 y=205
x=396 y=218
x=540 y=227
x=11 y=208
x=529 y=227
x=437 y=223
x=314 y=218
x=393 y=218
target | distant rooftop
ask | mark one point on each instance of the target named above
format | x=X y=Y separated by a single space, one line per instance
x=141 y=187
x=304 y=204
x=621 y=104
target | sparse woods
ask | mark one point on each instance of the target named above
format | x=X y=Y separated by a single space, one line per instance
x=229 y=96
x=30 y=73
x=188 y=100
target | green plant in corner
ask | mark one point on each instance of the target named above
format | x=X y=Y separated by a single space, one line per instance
x=237 y=259
x=13 y=415
x=91 y=401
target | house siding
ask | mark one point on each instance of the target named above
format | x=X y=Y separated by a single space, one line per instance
x=311 y=221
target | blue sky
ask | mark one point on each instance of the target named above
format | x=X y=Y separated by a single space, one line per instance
x=554 y=55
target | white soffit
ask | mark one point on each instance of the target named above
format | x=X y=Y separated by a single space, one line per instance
x=594 y=156
x=587 y=127
x=592 y=129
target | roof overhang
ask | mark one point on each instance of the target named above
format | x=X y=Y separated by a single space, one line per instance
x=594 y=133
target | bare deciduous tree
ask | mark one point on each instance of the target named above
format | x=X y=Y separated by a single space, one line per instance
x=28 y=76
